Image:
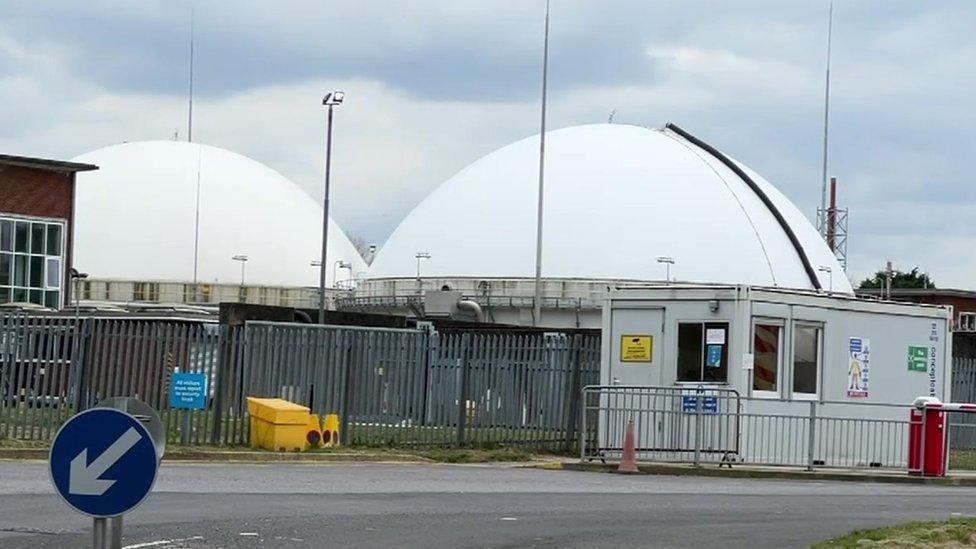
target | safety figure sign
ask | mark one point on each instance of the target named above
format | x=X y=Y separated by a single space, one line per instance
x=859 y=367
x=918 y=358
x=636 y=348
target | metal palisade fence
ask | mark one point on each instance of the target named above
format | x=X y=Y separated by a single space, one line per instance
x=388 y=386
x=962 y=427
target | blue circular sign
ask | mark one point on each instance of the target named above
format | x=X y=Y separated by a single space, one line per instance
x=103 y=462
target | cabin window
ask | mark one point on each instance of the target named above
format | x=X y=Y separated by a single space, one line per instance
x=806 y=358
x=703 y=352
x=767 y=343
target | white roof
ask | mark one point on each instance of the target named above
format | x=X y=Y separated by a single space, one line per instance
x=616 y=198
x=135 y=218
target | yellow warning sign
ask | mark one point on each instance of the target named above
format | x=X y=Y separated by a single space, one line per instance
x=636 y=348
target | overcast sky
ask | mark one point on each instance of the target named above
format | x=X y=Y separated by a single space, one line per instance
x=434 y=85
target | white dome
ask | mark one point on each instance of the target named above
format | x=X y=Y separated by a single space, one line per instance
x=135 y=218
x=616 y=197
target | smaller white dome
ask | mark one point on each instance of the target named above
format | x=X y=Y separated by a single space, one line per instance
x=136 y=215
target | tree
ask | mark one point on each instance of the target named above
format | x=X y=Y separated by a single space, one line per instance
x=899 y=279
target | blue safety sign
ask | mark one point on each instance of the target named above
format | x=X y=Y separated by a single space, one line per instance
x=689 y=404
x=103 y=462
x=188 y=391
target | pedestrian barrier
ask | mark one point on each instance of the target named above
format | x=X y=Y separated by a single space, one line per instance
x=705 y=425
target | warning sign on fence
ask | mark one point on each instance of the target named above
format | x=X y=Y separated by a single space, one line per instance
x=636 y=348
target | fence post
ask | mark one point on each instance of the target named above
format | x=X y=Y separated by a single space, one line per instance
x=811 y=434
x=463 y=390
x=699 y=398
x=346 y=389
x=222 y=367
x=573 y=394
x=582 y=423
x=79 y=366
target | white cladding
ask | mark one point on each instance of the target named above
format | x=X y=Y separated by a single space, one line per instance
x=616 y=197
x=135 y=218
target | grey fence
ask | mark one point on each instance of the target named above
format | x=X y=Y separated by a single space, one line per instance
x=388 y=386
x=962 y=429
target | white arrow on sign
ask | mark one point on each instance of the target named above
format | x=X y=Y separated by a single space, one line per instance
x=83 y=478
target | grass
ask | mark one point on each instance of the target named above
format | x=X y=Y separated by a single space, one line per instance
x=474 y=455
x=962 y=460
x=957 y=532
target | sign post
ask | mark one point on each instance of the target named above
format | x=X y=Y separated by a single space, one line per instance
x=103 y=463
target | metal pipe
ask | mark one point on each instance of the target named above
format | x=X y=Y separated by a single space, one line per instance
x=99 y=533
x=114 y=537
x=325 y=217
x=473 y=307
x=537 y=300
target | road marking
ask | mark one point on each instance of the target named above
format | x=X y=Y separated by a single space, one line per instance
x=249 y=534
x=509 y=518
x=161 y=542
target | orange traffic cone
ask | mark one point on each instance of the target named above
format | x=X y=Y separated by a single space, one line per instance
x=628 y=461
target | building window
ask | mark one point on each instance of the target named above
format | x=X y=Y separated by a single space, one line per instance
x=703 y=352
x=31 y=261
x=145 y=291
x=197 y=293
x=766 y=345
x=806 y=358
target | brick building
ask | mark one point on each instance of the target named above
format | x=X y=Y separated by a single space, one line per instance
x=37 y=198
x=963 y=311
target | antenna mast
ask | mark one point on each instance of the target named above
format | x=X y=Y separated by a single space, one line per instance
x=189 y=124
x=822 y=213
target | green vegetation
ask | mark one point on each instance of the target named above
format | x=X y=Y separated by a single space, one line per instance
x=899 y=279
x=957 y=532
x=962 y=460
x=474 y=455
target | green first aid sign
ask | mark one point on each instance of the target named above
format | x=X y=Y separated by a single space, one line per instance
x=918 y=359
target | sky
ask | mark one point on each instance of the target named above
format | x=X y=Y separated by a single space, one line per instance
x=434 y=85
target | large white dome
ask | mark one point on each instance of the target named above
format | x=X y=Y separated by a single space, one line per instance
x=135 y=218
x=616 y=197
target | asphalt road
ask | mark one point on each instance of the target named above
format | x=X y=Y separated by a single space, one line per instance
x=324 y=505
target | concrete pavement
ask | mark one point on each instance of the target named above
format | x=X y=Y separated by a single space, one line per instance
x=385 y=505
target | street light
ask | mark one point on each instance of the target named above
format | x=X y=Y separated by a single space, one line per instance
x=340 y=265
x=243 y=259
x=830 y=273
x=75 y=275
x=668 y=261
x=420 y=256
x=330 y=100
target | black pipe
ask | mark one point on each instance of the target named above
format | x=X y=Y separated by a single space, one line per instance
x=762 y=196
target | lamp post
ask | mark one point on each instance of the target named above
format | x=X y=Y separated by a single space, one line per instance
x=668 y=261
x=830 y=278
x=420 y=256
x=339 y=265
x=75 y=276
x=243 y=259
x=331 y=100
